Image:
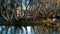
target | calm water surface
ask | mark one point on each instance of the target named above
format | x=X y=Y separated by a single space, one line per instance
x=28 y=30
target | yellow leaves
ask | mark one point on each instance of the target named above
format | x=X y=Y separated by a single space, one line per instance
x=19 y=8
x=43 y=0
x=41 y=22
x=49 y=20
x=58 y=1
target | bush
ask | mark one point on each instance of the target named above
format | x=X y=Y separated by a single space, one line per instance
x=41 y=22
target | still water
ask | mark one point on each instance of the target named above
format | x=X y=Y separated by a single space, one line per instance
x=28 y=30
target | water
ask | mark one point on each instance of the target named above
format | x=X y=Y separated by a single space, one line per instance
x=28 y=30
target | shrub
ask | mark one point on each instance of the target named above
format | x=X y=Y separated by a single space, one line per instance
x=41 y=22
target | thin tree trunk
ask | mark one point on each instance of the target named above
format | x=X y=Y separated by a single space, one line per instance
x=3 y=15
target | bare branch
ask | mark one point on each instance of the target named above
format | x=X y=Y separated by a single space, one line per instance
x=12 y=14
x=7 y=14
x=3 y=15
x=50 y=14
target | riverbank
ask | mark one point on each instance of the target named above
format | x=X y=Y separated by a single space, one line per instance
x=31 y=23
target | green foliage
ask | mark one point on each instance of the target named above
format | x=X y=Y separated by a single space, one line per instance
x=41 y=22
x=25 y=23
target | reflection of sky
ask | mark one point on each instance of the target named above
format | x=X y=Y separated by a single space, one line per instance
x=11 y=30
x=29 y=29
x=24 y=30
x=4 y=30
x=0 y=28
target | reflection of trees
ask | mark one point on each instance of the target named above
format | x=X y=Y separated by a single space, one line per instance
x=41 y=30
x=21 y=30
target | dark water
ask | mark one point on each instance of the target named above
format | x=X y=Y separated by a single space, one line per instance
x=28 y=30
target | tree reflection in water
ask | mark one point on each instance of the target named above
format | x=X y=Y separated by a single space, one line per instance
x=27 y=30
x=14 y=30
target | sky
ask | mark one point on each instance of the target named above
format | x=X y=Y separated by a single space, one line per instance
x=23 y=4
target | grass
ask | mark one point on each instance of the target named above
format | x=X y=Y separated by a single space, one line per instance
x=25 y=23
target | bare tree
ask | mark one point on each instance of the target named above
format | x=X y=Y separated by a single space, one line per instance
x=8 y=12
x=36 y=8
x=46 y=8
